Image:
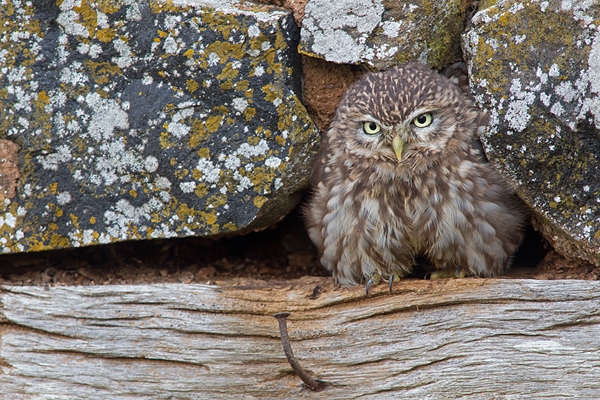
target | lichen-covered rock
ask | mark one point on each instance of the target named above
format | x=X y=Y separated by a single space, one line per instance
x=535 y=65
x=383 y=33
x=137 y=119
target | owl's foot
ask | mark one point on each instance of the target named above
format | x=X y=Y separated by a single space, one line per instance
x=447 y=273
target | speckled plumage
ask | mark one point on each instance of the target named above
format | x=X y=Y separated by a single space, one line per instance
x=381 y=200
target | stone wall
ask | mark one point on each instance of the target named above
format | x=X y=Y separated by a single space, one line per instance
x=134 y=119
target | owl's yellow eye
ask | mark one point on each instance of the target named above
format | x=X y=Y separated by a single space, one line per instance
x=423 y=120
x=371 y=128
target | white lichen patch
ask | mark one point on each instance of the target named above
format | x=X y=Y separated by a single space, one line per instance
x=63 y=198
x=517 y=115
x=151 y=164
x=240 y=104
x=51 y=161
x=187 y=187
x=248 y=151
x=178 y=130
x=273 y=162
x=107 y=115
x=210 y=172
x=113 y=163
x=326 y=24
x=71 y=20
x=8 y=219
x=123 y=216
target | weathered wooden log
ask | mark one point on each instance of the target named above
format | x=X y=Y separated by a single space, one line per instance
x=469 y=338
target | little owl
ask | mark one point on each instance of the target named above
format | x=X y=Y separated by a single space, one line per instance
x=401 y=175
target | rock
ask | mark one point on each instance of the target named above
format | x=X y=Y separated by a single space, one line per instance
x=535 y=65
x=137 y=120
x=381 y=34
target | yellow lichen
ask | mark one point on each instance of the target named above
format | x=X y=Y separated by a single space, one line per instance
x=242 y=86
x=220 y=22
x=217 y=200
x=181 y=173
x=102 y=72
x=89 y=16
x=184 y=212
x=249 y=113
x=229 y=227
x=259 y=201
x=204 y=152
x=198 y=134
x=58 y=241
x=52 y=188
x=225 y=51
x=201 y=189
x=213 y=123
x=192 y=85
x=106 y=35
x=109 y=6
x=74 y=220
x=262 y=177
x=165 y=141
x=210 y=218
x=161 y=6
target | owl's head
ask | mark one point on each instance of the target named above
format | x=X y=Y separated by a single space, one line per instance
x=406 y=112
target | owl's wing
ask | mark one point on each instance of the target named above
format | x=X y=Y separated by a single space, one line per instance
x=459 y=75
x=320 y=161
x=482 y=124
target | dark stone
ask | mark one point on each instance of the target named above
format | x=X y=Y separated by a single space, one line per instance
x=147 y=120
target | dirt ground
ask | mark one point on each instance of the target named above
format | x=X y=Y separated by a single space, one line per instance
x=280 y=253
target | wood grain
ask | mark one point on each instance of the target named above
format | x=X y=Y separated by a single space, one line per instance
x=469 y=338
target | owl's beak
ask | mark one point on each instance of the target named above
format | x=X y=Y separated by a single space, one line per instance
x=398 y=146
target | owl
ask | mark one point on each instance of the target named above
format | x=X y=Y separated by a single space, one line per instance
x=401 y=175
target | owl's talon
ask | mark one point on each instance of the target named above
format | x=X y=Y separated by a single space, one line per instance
x=391 y=280
x=368 y=286
x=374 y=280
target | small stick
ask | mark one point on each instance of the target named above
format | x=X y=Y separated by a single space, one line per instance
x=311 y=383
